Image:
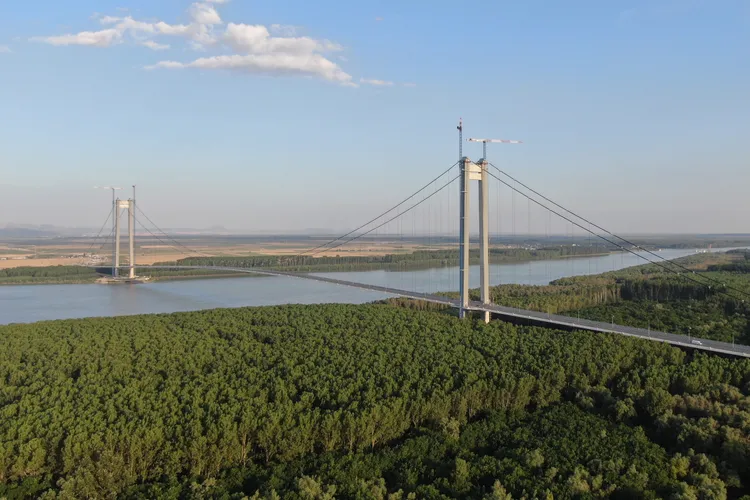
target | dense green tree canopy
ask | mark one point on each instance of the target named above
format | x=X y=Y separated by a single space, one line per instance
x=369 y=401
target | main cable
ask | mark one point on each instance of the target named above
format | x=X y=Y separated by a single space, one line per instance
x=393 y=218
x=106 y=240
x=610 y=241
x=326 y=245
x=376 y=218
x=168 y=237
x=677 y=264
x=161 y=240
x=100 y=231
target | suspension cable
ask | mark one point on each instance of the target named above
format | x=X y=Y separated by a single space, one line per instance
x=167 y=236
x=392 y=218
x=106 y=240
x=100 y=231
x=376 y=218
x=162 y=241
x=686 y=276
x=628 y=242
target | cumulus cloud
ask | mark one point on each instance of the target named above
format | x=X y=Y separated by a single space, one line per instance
x=256 y=39
x=203 y=13
x=283 y=30
x=103 y=38
x=276 y=50
x=259 y=52
x=200 y=32
x=4 y=49
x=155 y=45
x=270 y=64
x=378 y=83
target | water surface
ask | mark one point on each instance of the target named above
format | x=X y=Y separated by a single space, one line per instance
x=25 y=304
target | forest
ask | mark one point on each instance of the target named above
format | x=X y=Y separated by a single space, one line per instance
x=67 y=275
x=649 y=296
x=49 y=274
x=420 y=259
x=364 y=402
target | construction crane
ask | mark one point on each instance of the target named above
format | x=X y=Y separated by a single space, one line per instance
x=485 y=141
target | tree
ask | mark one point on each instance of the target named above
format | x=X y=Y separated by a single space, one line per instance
x=498 y=493
x=310 y=488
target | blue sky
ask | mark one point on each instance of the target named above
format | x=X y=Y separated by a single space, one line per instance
x=287 y=114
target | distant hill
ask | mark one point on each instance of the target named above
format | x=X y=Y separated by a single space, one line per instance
x=22 y=232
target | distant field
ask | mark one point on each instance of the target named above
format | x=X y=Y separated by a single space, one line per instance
x=44 y=252
x=151 y=252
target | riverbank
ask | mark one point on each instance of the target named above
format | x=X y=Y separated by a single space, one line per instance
x=709 y=303
x=393 y=263
x=26 y=304
x=93 y=276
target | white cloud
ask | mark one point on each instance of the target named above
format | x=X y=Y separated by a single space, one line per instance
x=103 y=38
x=173 y=29
x=4 y=49
x=378 y=19
x=379 y=83
x=108 y=19
x=256 y=49
x=283 y=30
x=409 y=84
x=128 y=24
x=256 y=39
x=201 y=33
x=155 y=45
x=203 y=13
x=166 y=65
x=270 y=64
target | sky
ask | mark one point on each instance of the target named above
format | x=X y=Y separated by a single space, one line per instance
x=283 y=115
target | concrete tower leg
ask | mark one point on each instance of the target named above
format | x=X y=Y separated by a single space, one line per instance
x=117 y=240
x=114 y=227
x=131 y=237
x=464 y=228
x=484 y=239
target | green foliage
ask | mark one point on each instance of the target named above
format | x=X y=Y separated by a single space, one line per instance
x=648 y=297
x=50 y=274
x=368 y=401
x=420 y=259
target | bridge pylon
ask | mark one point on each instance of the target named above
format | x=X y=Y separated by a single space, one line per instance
x=123 y=205
x=471 y=171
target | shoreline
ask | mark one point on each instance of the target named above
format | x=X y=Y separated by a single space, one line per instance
x=414 y=267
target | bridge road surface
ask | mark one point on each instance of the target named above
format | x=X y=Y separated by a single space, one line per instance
x=508 y=312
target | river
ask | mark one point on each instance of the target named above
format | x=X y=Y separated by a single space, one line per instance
x=26 y=304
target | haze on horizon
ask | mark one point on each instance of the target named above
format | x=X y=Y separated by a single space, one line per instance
x=261 y=116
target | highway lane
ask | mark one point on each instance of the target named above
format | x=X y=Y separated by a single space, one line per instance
x=509 y=312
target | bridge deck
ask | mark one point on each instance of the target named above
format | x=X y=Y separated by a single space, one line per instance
x=508 y=312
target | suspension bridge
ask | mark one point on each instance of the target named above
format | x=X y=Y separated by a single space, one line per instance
x=426 y=222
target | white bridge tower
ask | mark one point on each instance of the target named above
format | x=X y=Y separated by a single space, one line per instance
x=471 y=171
x=120 y=206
